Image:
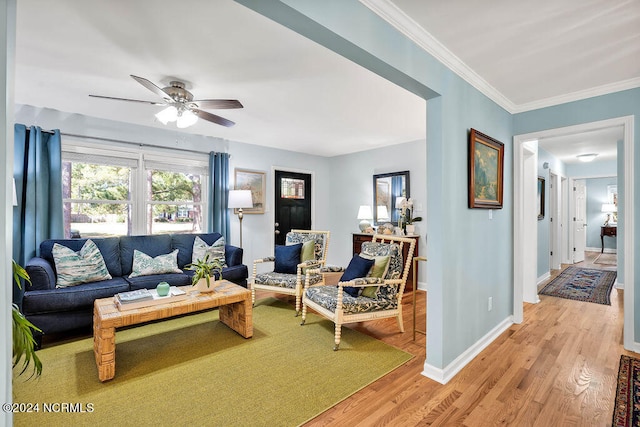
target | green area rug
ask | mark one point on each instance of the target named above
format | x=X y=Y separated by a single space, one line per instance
x=193 y=370
x=582 y=284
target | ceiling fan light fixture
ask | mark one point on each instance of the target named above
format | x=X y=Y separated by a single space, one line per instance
x=169 y=114
x=186 y=119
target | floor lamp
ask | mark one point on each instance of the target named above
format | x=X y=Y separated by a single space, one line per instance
x=239 y=199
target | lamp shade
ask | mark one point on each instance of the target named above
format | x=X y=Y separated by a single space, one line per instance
x=609 y=208
x=365 y=212
x=383 y=213
x=15 y=195
x=400 y=201
x=239 y=199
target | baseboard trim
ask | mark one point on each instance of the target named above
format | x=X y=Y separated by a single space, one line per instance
x=606 y=250
x=635 y=347
x=618 y=285
x=445 y=375
x=544 y=277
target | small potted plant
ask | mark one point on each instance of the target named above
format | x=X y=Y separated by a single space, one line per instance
x=204 y=270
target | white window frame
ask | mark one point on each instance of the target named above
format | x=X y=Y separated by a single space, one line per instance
x=140 y=159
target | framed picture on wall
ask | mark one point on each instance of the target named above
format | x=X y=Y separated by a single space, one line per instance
x=540 y=198
x=246 y=179
x=486 y=168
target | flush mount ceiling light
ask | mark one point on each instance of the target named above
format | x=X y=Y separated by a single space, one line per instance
x=587 y=157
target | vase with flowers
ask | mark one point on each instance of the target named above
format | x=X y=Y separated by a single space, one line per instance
x=407 y=219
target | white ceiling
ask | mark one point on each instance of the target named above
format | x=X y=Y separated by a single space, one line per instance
x=297 y=94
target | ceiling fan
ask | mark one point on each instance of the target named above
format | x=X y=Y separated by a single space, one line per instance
x=180 y=105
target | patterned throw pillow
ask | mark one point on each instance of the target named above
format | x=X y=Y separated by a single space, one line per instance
x=201 y=249
x=144 y=265
x=73 y=268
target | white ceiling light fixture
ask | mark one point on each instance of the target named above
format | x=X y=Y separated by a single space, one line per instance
x=185 y=119
x=587 y=157
x=169 y=114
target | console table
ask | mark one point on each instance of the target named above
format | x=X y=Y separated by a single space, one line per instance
x=607 y=230
x=360 y=238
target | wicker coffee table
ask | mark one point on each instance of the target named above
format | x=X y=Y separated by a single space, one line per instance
x=234 y=304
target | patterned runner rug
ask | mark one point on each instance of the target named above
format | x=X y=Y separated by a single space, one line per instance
x=582 y=284
x=626 y=412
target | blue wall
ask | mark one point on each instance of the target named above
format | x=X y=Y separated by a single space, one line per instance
x=597 y=195
x=544 y=224
x=619 y=104
x=470 y=255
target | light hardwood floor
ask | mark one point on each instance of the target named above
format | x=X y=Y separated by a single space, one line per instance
x=558 y=368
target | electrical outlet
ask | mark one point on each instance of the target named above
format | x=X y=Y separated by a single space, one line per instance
x=490 y=304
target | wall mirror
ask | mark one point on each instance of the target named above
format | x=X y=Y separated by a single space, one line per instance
x=386 y=188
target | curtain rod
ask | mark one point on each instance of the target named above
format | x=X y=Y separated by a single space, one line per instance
x=140 y=144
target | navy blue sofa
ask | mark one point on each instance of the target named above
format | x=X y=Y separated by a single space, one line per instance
x=58 y=310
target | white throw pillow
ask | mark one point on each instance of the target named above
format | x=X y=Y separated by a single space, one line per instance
x=73 y=268
x=215 y=251
x=144 y=265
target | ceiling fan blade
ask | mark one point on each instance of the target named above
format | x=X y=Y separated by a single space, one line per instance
x=152 y=87
x=212 y=118
x=220 y=104
x=128 y=100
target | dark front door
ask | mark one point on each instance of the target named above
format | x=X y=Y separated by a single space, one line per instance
x=292 y=204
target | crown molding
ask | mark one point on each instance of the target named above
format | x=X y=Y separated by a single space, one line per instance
x=413 y=31
x=579 y=95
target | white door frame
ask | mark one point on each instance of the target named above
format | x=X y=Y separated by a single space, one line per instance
x=573 y=208
x=564 y=209
x=555 y=227
x=524 y=245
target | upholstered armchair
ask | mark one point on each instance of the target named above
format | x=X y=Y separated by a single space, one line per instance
x=371 y=286
x=290 y=272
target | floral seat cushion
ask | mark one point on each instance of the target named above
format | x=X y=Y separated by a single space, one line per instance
x=284 y=280
x=327 y=297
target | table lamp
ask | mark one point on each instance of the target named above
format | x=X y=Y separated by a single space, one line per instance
x=365 y=214
x=239 y=199
x=609 y=209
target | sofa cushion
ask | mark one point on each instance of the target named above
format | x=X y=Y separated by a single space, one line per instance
x=184 y=243
x=71 y=298
x=153 y=245
x=215 y=251
x=109 y=248
x=84 y=266
x=145 y=265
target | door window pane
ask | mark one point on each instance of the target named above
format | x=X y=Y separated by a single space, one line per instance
x=292 y=188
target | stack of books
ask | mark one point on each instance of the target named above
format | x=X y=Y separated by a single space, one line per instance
x=147 y=297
